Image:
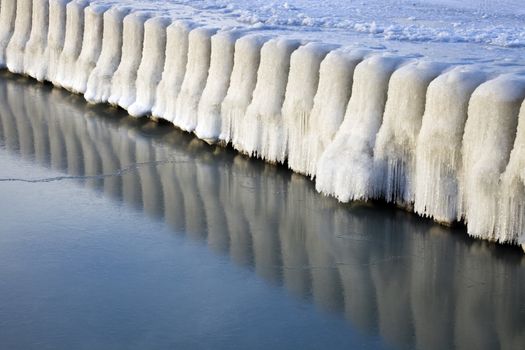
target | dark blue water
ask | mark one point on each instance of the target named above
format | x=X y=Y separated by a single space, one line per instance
x=118 y=233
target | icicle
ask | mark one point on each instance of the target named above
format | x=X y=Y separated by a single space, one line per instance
x=99 y=82
x=195 y=78
x=490 y=131
x=55 y=36
x=35 y=62
x=263 y=127
x=438 y=150
x=174 y=69
x=72 y=41
x=243 y=79
x=7 y=26
x=149 y=73
x=511 y=223
x=301 y=89
x=345 y=169
x=91 y=47
x=330 y=102
x=123 y=82
x=395 y=148
x=15 y=48
x=221 y=65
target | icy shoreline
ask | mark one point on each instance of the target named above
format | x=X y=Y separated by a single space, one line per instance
x=445 y=140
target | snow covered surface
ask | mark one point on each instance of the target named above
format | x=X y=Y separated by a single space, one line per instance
x=418 y=103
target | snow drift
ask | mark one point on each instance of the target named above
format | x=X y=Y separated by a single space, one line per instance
x=447 y=141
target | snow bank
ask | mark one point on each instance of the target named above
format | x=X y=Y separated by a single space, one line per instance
x=447 y=141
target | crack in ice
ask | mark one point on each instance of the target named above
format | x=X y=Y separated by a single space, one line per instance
x=131 y=168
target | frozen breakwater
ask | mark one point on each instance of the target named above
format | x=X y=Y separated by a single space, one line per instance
x=445 y=141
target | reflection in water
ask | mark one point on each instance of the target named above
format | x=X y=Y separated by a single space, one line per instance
x=390 y=273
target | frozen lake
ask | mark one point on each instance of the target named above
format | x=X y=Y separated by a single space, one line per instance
x=119 y=233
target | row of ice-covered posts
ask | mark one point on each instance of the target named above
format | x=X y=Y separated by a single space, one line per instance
x=383 y=272
x=444 y=140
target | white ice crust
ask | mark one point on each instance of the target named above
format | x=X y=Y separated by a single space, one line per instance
x=444 y=140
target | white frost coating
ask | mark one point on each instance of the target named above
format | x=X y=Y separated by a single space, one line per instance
x=7 y=26
x=174 y=69
x=72 y=41
x=91 y=47
x=99 y=82
x=55 y=36
x=395 y=148
x=438 y=151
x=35 y=61
x=330 y=102
x=490 y=131
x=123 y=83
x=150 y=70
x=242 y=84
x=345 y=169
x=221 y=66
x=511 y=226
x=301 y=89
x=263 y=127
x=199 y=51
x=17 y=44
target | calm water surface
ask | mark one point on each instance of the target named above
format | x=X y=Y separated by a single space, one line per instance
x=119 y=233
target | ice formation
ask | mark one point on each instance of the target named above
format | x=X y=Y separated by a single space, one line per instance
x=438 y=150
x=123 y=82
x=445 y=140
x=35 y=62
x=346 y=168
x=15 y=48
x=99 y=83
x=7 y=26
x=395 y=147
x=301 y=89
x=197 y=66
x=174 y=70
x=151 y=65
x=221 y=66
x=263 y=133
x=91 y=47
x=72 y=41
x=56 y=37
x=242 y=84
x=489 y=135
